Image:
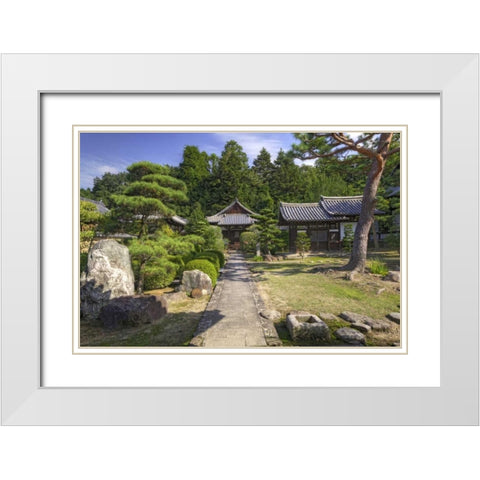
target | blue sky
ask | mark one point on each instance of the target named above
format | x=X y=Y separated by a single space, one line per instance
x=113 y=152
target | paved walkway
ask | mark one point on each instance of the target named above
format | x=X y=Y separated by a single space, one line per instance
x=231 y=318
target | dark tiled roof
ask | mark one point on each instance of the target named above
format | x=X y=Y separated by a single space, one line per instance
x=235 y=219
x=307 y=212
x=101 y=208
x=223 y=217
x=342 y=205
x=329 y=209
x=236 y=201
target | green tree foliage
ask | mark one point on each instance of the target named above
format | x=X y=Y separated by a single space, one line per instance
x=210 y=235
x=194 y=170
x=263 y=166
x=90 y=218
x=229 y=178
x=248 y=241
x=157 y=259
x=302 y=243
x=285 y=181
x=106 y=186
x=149 y=199
x=268 y=232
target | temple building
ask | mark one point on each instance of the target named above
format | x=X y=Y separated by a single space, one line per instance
x=324 y=221
x=233 y=220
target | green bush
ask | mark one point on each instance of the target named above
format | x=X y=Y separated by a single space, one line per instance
x=248 y=241
x=156 y=277
x=377 y=267
x=204 y=266
x=257 y=259
x=211 y=257
x=220 y=256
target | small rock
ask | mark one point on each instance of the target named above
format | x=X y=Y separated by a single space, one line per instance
x=379 y=325
x=392 y=276
x=330 y=317
x=394 y=317
x=355 y=317
x=350 y=336
x=380 y=290
x=270 y=314
x=361 y=327
x=197 y=293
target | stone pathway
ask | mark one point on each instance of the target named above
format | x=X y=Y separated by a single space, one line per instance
x=231 y=319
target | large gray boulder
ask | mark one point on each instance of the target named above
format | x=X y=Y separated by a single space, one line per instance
x=307 y=327
x=133 y=311
x=193 y=279
x=109 y=275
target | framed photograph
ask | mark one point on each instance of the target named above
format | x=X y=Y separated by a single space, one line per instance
x=179 y=249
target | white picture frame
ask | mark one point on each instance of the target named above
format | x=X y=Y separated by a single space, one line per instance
x=26 y=77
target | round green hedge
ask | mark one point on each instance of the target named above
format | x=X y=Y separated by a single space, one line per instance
x=204 y=266
x=212 y=258
x=220 y=256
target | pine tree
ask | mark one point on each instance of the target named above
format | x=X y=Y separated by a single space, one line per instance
x=268 y=232
x=149 y=199
x=302 y=243
x=263 y=166
x=229 y=177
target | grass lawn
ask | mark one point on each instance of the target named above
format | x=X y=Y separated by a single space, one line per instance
x=316 y=285
x=174 y=329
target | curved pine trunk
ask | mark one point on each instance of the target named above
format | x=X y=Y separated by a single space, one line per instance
x=358 y=257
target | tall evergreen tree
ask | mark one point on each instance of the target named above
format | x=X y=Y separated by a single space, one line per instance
x=285 y=182
x=194 y=170
x=229 y=177
x=263 y=166
x=268 y=232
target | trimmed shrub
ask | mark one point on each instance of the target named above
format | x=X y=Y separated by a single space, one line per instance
x=220 y=255
x=211 y=257
x=204 y=266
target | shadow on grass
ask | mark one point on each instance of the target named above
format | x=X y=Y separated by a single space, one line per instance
x=172 y=330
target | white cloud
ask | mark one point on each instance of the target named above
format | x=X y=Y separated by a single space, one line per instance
x=107 y=168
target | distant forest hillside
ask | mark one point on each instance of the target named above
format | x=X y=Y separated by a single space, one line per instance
x=214 y=181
